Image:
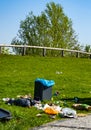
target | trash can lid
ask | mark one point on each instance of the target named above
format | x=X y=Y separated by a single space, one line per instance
x=46 y=83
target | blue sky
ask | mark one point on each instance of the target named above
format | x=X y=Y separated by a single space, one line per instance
x=13 y=11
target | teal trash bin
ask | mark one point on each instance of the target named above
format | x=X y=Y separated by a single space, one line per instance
x=43 y=89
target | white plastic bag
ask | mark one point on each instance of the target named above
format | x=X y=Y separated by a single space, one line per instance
x=68 y=112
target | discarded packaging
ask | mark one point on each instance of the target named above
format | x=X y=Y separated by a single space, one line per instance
x=68 y=112
x=82 y=106
x=52 y=110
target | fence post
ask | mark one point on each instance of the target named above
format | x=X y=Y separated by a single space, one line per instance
x=0 y=49
x=62 y=53
x=23 y=51
x=44 y=51
x=90 y=56
x=77 y=54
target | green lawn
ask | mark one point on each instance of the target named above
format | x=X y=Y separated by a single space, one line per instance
x=72 y=78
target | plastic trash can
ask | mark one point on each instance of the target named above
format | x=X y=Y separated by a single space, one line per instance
x=43 y=89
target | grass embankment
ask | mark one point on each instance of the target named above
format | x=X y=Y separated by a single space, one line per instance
x=72 y=78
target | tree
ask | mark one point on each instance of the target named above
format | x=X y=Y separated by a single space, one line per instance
x=61 y=32
x=16 y=41
x=52 y=28
x=87 y=48
x=5 y=51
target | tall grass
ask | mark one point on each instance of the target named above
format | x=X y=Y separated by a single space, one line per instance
x=72 y=78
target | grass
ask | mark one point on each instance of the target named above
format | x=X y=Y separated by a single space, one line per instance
x=72 y=78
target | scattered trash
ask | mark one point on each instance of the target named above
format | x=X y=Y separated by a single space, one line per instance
x=56 y=93
x=43 y=91
x=24 y=102
x=57 y=72
x=82 y=106
x=39 y=106
x=24 y=96
x=52 y=116
x=39 y=115
x=68 y=112
x=6 y=99
x=76 y=99
x=5 y=115
x=52 y=110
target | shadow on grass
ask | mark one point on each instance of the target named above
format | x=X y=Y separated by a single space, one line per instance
x=78 y=100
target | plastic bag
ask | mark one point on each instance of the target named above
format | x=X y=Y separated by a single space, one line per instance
x=52 y=110
x=45 y=82
x=68 y=112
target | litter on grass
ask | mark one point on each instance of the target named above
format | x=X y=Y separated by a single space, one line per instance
x=82 y=106
x=5 y=115
x=68 y=112
x=52 y=109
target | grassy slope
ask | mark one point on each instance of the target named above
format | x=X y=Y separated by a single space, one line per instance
x=17 y=76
